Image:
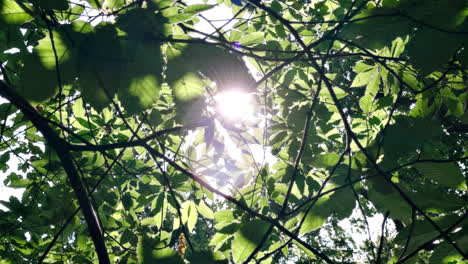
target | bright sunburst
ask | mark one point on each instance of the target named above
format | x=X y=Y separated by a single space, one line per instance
x=234 y=105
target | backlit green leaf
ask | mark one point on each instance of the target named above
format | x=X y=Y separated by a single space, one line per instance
x=252 y=38
x=393 y=203
x=367 y=103
x=447 y=174
x=374 y=82
x=197 y=8
x=341 y=202
x=362 y=78
x=189 y=214
x=141 y=93
x=188 y=87
x=247 y=238
x=312 y=221
x=205 y=210
x=206 y=257
x=149 y=251
x=325 y=160
x=12 y=14
x=46 y=54
x=224 y=216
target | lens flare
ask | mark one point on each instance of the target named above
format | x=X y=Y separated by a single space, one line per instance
x=234 y=105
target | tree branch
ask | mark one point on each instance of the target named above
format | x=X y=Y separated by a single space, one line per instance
x=429 y=242
x=60 y=146
x=239 y=204
x=137 y=142
x=382 y=238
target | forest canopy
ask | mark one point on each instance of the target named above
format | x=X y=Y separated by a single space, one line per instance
x=290 y=131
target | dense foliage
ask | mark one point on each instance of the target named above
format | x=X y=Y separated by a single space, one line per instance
x=110 y=125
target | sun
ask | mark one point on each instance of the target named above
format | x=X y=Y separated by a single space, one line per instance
x=234 y=105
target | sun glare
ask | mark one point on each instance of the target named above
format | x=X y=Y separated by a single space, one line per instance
x=234 y=105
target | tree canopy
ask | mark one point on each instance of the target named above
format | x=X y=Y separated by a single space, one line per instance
x=112 y=126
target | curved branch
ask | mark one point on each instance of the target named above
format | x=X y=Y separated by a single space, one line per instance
x=60 y=146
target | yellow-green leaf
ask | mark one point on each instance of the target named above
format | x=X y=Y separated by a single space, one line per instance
x=11 y=13
x=252 y=38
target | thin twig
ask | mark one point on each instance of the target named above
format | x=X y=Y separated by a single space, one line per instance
x=382 y=238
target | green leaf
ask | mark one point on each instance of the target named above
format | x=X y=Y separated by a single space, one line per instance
x=341 y=202
x=60 y=5
x=206 y=257
x=289 y=77
x=424 y=231
x=205 y=211
x=362 y=78
x=95 y=3
x=393 y=203
x=446 y=254
x=16 y=181
x=127 y=202
x=139 y=24
x=12 y=14
x=280 y=31
x=141 y=79
x=252 y=38
x=325 y=160
x=32 y=72
x=219 y=239
x=367 y=103
x=305 y=250
x=220 y=66
x=107 y=65
x=189 y=214
x=374 y=82
x=312 y=221
x=234 y=35
x=4 y=158
x=149 y=221
x=113 y=4
x=340 y=93
x=151 y=251
x=197 y=8
x=155 y=118
x=278 y=138
x=463 y=58
x=376 y=28
x=447 y=174
x=408 y=134
x=188 y=88
x=141 y=93
x=224 y=216
x=440 y=45
x=45 y=51
x=247 y=238
x=435 y=13
x=180 y=18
